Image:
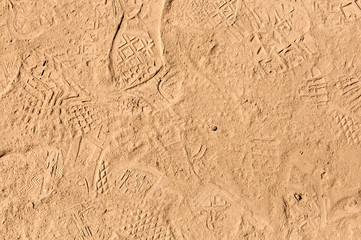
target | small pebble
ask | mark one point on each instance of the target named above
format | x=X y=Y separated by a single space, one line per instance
x=298 y=197
x=214 y=128
x=354 y=202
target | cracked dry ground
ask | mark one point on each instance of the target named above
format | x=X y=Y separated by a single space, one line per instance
x=180 y=119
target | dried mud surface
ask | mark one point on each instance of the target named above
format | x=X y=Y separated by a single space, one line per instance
x=180 y=119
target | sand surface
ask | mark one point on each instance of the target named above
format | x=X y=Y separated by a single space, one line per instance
x=180 y=119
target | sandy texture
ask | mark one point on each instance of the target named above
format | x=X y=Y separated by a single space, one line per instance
x=180 y=119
